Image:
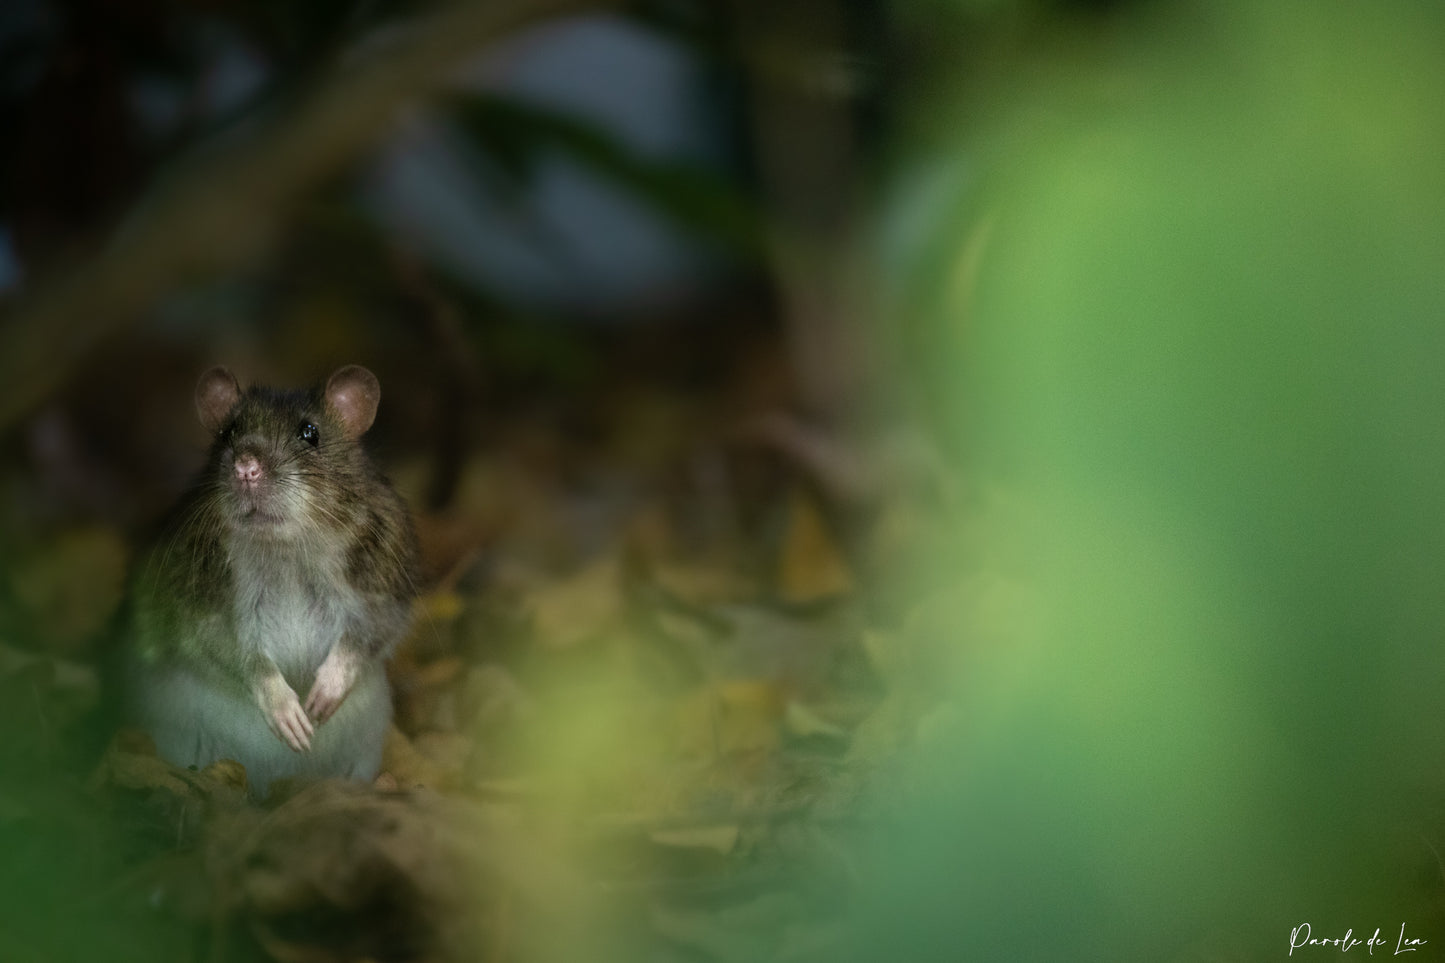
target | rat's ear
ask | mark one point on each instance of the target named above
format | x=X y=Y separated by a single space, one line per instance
x=216 y=394
x=352 y=394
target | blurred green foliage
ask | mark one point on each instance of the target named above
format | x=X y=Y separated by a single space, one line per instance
x=514 y=137
x=1182 y=305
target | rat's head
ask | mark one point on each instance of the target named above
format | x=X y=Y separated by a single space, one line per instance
x=282 y=460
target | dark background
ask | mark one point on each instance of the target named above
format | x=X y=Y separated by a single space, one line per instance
x=934 y=480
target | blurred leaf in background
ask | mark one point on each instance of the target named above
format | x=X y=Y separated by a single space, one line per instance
x=1178 y=289
x=589 y=167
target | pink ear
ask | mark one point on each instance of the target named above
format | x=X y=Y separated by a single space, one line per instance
x=352 y=394
x=216 y=394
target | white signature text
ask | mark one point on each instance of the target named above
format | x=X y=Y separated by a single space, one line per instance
x=1302 y=936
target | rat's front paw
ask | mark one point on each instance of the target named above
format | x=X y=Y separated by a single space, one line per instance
x=284 y=714
x=333 y=680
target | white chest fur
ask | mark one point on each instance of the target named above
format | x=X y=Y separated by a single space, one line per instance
x=291 y=605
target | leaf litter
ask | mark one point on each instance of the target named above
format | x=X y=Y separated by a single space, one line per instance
x=647 y=731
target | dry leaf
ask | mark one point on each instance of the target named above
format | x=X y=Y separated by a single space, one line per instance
x=411 y=768
x=811 y=566
x=125 y=770
x=578 y=608
x=130 y=763
x=340 y=871
x=736 y=716
x=226 y=772
x=703 y=585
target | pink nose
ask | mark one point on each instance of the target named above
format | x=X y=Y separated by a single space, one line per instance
x=248 y=469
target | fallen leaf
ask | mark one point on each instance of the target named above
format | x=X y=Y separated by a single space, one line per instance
x=409 y=767
x=573 y=610
x=130 y=763
x=341 y=871
x=811 y=566
x=226 y=772
x=735 y=716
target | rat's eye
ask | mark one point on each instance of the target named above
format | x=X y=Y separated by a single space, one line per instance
x=308 y=433
x=228 y=434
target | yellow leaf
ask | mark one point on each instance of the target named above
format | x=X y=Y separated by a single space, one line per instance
x=811 y=567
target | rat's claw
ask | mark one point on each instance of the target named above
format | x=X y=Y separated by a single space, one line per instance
x=284 y=713
x=333 y=681
x=319 y=706
x=292 y=726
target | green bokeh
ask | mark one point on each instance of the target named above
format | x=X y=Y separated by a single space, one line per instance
x=1186 y=310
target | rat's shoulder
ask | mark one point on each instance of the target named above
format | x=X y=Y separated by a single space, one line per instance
x=381 y=557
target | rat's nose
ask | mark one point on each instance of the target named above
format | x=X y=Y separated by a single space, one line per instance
x=248 y=469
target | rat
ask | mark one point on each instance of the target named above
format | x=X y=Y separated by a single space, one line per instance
x=262 y=616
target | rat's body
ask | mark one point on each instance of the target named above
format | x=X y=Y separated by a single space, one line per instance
x=262 y=616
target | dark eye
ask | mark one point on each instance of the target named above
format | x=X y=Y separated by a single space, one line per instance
x=228 y=434
x=308 y=433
